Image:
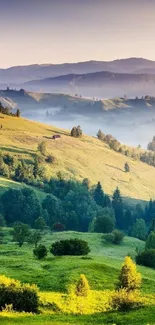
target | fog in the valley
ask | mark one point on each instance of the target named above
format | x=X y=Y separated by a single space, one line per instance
x=129 y=128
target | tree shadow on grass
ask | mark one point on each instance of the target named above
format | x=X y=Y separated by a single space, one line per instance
x=17 y=150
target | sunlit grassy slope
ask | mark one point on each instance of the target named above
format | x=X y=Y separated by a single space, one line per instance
x=78 y=158
x=54 y=274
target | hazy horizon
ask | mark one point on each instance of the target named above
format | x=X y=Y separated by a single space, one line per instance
x=75 y=62
x=62 y=31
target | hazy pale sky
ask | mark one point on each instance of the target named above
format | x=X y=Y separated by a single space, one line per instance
x=56 y=31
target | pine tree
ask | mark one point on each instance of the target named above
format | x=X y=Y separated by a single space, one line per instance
x=18 y=112
x=82 y=287
x=129 y=278
x=99 y=195
x=128 y=220
x=116 y=198
x=117 y=204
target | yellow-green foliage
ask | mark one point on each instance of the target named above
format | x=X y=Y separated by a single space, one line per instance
x=77 y=158
x=125 y=300
x=129 y=278
x=82 y=287
x=22 y=297
x=95 y=302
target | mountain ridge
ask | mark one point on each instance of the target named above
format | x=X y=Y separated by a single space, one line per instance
x=39 y=71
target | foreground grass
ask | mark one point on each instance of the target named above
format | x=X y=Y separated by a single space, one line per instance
x=144 y=316
x=54 y=274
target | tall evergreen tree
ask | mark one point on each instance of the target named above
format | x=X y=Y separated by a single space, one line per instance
x=116 y=198
x=128 y=220
x=117 y=204
x=99 y=195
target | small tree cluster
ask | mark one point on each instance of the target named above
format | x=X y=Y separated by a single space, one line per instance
x=76 y=132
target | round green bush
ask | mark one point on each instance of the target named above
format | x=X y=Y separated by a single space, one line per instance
x=74 y=247
x=146 y=258
x=40 y=252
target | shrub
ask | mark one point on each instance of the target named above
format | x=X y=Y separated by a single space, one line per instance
x=123 y=300
x=40 y=252
x=116 y=237
x=23 y=297
x=127 y=167
x=51 y=159
x=129 y=278
x=82 y=287
x=74 y=247
x=146 y=258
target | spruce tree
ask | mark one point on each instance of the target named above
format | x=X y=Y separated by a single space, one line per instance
x=117 y=204
x=99 y=195
x=116 y=198
x=18 y=112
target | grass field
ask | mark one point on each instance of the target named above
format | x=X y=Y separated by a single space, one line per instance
x=54 y=274
x=78 y=158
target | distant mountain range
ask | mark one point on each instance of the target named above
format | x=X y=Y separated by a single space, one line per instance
x=101 y=84
x=133 y=76
x=20 y=74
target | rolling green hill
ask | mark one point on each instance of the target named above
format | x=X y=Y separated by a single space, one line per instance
x=54 y=274
x=77 y=158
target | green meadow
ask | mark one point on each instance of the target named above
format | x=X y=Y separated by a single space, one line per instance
x=53 y=275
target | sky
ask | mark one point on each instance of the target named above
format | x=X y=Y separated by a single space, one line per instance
x=58 y=31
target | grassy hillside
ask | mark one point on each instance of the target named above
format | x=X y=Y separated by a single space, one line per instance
x=74 y=104
x=77 y=158
x=102 y=267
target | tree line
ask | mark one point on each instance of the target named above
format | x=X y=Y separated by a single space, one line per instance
x=145 y=156
x=7 y=111
x=75 y=205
